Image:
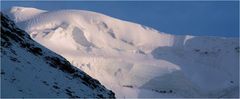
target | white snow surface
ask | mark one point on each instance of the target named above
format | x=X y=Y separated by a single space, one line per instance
x=134 y=60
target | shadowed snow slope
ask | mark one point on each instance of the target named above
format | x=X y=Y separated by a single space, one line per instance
x=135 y=60
x=29 y=70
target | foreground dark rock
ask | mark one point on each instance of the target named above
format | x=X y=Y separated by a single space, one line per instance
x=30 y=70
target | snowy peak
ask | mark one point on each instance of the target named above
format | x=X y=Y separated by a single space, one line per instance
x=23 y=13
x=30 y=70
x=91 y=26
x=137 y=61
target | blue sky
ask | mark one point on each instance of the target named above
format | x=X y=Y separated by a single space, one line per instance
x=208 y=18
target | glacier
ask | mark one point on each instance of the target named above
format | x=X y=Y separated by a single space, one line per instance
x=135 y=60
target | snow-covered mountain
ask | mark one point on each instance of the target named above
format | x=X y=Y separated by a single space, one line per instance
x=134 y=60
x=30 y=70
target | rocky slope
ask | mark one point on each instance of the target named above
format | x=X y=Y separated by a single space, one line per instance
x=30 y=70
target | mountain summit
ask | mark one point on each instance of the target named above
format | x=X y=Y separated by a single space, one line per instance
x=134 y=60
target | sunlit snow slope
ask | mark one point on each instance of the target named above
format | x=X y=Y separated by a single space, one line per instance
x=135 y=60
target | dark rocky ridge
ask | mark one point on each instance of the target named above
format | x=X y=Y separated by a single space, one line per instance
x=16 y=44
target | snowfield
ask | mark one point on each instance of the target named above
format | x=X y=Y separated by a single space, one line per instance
x=134 y=60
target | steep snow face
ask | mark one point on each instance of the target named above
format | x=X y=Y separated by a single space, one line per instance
x=30 y=70
x=138 y=61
